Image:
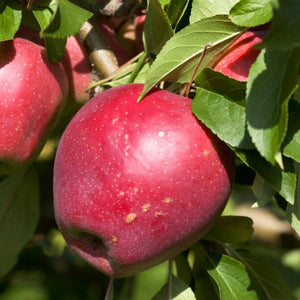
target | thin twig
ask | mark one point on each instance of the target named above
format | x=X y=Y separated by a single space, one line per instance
x=170 y=279
x=188 y=87
x=109 y=288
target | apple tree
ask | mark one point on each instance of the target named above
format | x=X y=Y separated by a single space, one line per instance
x=207 y=100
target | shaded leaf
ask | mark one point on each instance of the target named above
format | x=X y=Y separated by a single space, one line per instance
x=183 y=270
x=231 y=229
x=283 y=182
x=157 y=28
x=272 y=81
x=178 y=58
x=291 y=144
x=250 y=13
x=262 y=191
x=180 y=291
x=293 y=210
x=266 y=278
x=175 y=10
x=285 y=28
x=19 y=214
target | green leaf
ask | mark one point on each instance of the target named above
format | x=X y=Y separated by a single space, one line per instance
x=183 y=270
x=272 y=80
x=176 y=9
x=262 y=191
x=250 y=13
x=225 y=117
x=10 y=20
x=55 y=48
x=285 y=28
x=66 y=20
x=232 y=278
x=293 y=210
x=221 y=84
x=178 y=58
x=204 y=285
x=180 y=291
x=291 y=144
x=231 y=229
x=157 y=28
x=266 y=278
x=203 y=9
x=19 y=215
x=283 y=182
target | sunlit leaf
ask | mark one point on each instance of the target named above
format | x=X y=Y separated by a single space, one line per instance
x=250 y=13
x=232 y=278
x=10 y=20
x=178 y=58
x=203 y=9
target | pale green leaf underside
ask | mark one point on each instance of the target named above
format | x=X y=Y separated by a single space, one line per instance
x=203 y=9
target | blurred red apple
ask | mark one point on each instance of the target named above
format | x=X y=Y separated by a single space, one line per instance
x=78 y=69
x=138 y=183
x=33 y=92
x=107 y=26
x=241 y=54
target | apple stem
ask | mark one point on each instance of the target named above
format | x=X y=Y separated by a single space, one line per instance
x=188 y=86
x=170 y=279
x=109 y=289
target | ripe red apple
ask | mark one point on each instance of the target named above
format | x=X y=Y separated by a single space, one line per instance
x=138 y=183
x=78 y=68
x=241 y=54
x=33 y=92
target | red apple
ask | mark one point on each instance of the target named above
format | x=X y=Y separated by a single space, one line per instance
x=33 y=92
x=138 y=183
x=241 y=55
x=107 y=27
x=78 y=69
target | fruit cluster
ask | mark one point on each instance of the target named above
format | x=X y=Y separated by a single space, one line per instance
x=134 y=183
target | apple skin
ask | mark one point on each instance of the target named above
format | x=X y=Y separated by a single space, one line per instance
x=78 y=68
x=33 y=93
x=241 y=54
x=138 y=183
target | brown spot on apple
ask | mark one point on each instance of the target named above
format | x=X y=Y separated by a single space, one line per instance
x=146 y=207
x=167 y=200
x=130 y=217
